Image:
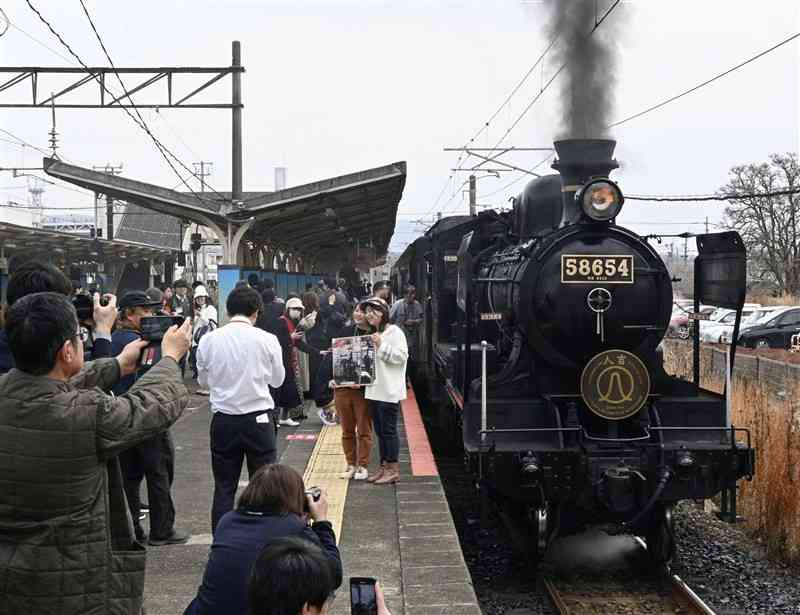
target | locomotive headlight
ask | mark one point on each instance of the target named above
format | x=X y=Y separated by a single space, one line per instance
x=601 y=199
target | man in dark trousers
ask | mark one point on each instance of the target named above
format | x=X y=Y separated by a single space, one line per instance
x=238 y=363
x=146 y=459
x=66 y=542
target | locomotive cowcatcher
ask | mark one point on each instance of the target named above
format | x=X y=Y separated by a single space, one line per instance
x=543 y=327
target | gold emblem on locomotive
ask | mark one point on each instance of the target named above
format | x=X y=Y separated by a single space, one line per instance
x=615 y=384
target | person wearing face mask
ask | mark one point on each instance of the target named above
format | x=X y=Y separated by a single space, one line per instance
x=205 y=320
x=290 y=397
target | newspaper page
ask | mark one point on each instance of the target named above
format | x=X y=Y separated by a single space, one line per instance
x=353 y=360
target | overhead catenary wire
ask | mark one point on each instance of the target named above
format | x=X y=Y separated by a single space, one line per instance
x=528 y=107
x=733 y=196
x=521 y=176
x=597 y=24
x=160 y=146
x=164 y=151
x=492 y=117
x=704 y=83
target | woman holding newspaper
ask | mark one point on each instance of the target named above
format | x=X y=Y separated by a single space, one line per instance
x=355 y=416
x=389 y=387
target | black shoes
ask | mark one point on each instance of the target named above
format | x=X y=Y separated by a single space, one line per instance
x=175 y=538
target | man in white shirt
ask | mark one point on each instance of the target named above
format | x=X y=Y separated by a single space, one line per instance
x=238 y=363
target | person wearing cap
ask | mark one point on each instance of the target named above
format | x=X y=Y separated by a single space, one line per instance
x=389 y=388
x=182 y=301
x=205 y=320
x=146 y=460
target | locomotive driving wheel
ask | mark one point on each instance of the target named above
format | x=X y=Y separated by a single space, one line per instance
x=660 y=537
x=530 y=530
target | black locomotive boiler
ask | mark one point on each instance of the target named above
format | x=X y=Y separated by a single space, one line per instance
x=543 y=327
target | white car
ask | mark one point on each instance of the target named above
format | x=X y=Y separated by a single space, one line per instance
x=721 y=316
x=758 y=317
x=723 y=320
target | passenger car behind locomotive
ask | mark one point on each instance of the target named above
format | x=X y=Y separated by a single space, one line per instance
x=543 y=326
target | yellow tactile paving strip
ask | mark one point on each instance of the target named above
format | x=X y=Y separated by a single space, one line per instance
x=327 y=461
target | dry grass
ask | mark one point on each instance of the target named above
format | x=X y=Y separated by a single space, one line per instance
x=767 y=299
x=771 y=502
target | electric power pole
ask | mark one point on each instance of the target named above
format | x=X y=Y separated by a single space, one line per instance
x=686 y=248
x=111 y=170
x=706 y=225
x=472 y=195
x=201 y=173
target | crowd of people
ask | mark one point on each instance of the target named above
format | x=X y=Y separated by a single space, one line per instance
x=86 y=405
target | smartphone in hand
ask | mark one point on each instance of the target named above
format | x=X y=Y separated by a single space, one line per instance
x=363 y=599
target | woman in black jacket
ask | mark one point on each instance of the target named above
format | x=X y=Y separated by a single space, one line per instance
x=271 y=507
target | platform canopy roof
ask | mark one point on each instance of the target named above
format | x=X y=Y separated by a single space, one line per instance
x=28 y=242
x=321 y=218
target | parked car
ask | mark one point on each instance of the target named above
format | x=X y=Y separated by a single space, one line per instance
x=776 y=332
x=712 y=329
x=758 y=317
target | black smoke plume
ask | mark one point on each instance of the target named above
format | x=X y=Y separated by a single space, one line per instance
x=588 y=54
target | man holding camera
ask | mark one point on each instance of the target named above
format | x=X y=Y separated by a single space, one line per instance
x=149 y=458
x=66 y=544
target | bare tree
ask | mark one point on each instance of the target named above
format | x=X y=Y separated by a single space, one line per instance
x=769 y=225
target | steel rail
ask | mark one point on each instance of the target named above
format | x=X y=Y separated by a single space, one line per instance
x=684 y=597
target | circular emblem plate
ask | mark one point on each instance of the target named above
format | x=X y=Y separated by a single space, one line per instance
x=615 y=384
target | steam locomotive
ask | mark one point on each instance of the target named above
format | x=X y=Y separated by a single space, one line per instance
x=541 y=340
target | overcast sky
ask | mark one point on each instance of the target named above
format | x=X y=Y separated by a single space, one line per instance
x=336 y=87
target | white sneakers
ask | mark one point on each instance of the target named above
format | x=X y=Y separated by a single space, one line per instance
x=288 y=422
x=201 y=392
x=356 y=473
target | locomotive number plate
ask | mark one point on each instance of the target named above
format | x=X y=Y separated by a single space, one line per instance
x=591 y=268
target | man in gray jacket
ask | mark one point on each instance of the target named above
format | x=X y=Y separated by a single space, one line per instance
x=66 y=536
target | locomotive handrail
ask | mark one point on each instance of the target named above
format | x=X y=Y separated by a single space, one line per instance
x=730 y=429
x=490 y=430
x=484 y=386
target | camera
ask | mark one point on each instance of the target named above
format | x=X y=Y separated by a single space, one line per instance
x=154 y=327
x=84 y=306
x=315 y=493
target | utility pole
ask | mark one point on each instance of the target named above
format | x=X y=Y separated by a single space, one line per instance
x=472 y=195
x=201 y=173
x=111 y=170
x=686 y=248
x=706 y=225
x=236 y=141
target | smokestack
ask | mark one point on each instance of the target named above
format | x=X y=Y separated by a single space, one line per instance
x=280 y=178
x=578 y=161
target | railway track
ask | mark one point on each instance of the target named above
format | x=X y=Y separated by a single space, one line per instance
x=671 y=596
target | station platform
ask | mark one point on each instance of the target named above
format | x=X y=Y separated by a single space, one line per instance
x=401 y=534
